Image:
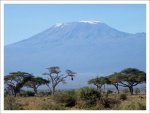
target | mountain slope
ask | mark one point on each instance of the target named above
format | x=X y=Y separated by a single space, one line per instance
x=89 y=48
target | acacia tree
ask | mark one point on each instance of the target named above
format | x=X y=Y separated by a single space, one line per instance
x=55 y=77
x=131 y=77
x=15 y=81
x=114 y=80
x=35 y=82
x=99 y=82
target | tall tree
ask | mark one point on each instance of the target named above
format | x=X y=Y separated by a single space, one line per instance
x=131 y=77
x=56 y=77
x=114 y=80
x=35 y=82
x=99 y=82
x=15 y=81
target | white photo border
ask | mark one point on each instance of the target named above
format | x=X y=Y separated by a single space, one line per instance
x=146 y=2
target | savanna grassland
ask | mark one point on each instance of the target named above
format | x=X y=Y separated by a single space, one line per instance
x=80 y=99
x=86 y=98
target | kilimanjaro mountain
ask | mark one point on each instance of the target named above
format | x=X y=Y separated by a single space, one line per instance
x=89 y=48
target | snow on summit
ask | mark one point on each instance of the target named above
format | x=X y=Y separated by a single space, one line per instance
x=90 y=22
x=58 y=24
x=86 y=47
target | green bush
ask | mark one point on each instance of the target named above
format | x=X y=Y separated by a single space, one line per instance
x=67 y=98
x=137 y=91
x=6 y=94
x=10 y=103
x=107 y=93
x=109 y=102
x=41 y=94
x=126 y=91
x=87 y=96
x=87 y=93
x=26 y=94
x=134 y=106
x=122 y=96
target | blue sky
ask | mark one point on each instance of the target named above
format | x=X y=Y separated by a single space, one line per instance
x=22 y=21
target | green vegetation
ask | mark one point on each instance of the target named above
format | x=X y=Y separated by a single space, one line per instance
x=131 y=77
x=66 y=98
x=55 y=77
x=35 y=82
x=10 y=103
x=122 y=96
x=87 y=97
x=84 y=98
x=137 y=91
x=50 y=106
x=128 y=78
x=134 y=106
x=15 y=81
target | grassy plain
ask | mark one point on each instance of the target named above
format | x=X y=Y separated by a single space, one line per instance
x=133 y=102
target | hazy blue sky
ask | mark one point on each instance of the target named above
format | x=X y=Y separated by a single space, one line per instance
x=25 y=20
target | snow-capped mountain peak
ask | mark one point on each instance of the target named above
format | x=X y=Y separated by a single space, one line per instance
x=85 y=46
x=58 y=25
x=90 y=22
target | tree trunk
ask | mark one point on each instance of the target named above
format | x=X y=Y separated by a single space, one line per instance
x=15 y=93
x=49 y=88
x=35 y=90
x=97 y=88
x=53 y=85
x=117 y=89
x=12 y=92
x=131 y=90
x=100 y=89
x=104 y=87
x=116 y=86
x=53 y=89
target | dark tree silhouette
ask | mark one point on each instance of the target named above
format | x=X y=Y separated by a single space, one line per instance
x=56 y=77
x=114 y=80
x=15 y=81
x=99 y=82
x=35 y=82
x=131 y=77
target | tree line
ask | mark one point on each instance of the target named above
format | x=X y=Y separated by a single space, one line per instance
x=17 y=80
x=129 y=78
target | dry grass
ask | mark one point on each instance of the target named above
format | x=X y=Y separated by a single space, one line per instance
x=134 y=98
x=32 y=103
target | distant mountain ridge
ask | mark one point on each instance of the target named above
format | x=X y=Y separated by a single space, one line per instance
x=87 y=47
x=77 y=30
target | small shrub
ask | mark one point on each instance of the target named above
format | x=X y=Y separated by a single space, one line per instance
x=29 y=93
x=110 y=102
x=87 y=96
x=137 y=91
x=107 y=93
x=134 y=106
x=125 y=91
x=87 y=93
x=67 y=98
x=122 y=96
x=6 y=94
x=10 y=103
x=26 y=94
x=41 y=94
